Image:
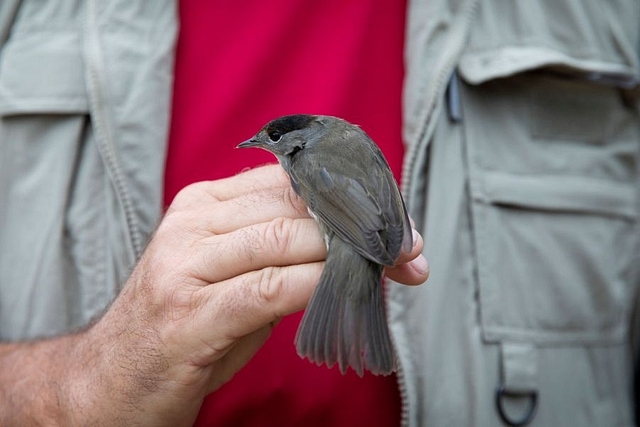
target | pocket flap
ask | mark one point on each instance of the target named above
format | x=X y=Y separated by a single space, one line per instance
x=554 y=193
x=43 y=72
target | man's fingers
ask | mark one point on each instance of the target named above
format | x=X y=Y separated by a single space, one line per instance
x=246 y=303
x=250 y=181
x=418 y=244
x=279 y=242
x=411 y=268
x=414 y=272
x=251 y=209
x=205 y=215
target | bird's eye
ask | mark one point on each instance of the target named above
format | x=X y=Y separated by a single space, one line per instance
x=275 y=136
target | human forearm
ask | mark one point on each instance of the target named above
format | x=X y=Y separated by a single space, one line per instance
x=34 y=380
x=88 y=379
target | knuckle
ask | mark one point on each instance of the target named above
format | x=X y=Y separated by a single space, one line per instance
x=190 y=194
x=270 y=285
x=278 y=234
x=184 y=196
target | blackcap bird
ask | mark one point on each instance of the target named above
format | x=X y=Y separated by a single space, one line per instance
x=349 y=189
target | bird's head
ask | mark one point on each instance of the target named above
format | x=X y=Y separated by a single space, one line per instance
x=286 y=135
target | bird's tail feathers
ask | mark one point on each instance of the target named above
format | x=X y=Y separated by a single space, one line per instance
x=345 y=322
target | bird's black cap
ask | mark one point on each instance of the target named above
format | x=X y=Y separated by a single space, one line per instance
x=285 y=124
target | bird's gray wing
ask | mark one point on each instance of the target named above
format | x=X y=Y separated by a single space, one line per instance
x=361 y=205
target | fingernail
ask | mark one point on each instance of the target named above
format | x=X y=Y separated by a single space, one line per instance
x=415 y=236
x=421 y=264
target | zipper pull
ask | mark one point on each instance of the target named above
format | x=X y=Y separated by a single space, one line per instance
x=452 y=96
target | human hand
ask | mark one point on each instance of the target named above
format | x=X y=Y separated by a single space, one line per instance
x=230 y=258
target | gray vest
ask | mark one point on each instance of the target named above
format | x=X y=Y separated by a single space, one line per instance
x=84 y=106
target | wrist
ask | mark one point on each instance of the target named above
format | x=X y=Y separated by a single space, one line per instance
x=125 y=378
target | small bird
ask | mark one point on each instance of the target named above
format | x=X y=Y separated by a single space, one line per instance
x=344 y=179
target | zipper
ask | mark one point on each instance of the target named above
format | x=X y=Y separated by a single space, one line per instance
x=452 y=49
x=402 y=388
x=103 y=128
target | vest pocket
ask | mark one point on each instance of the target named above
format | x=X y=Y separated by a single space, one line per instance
x=42 y=72
x=555 y=211
x=54 y=258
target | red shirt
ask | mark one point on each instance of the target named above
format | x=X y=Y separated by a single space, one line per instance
x=239 y=65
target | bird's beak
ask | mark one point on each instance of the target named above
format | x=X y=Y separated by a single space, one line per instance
x=253 y=142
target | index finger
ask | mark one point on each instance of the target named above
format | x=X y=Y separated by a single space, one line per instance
x=249 y=181
x=243 y=304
